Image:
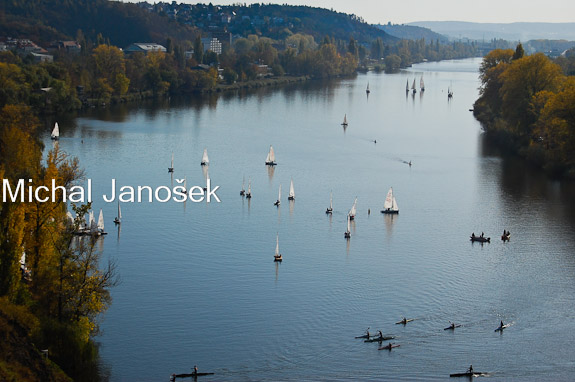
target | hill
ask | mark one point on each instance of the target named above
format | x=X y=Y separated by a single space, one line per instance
x=411 y=32
x=120 y=23
x=513 y=31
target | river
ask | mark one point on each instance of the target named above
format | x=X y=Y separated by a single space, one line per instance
x=199 y=284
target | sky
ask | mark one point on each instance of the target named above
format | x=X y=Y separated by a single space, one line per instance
x=405 y=11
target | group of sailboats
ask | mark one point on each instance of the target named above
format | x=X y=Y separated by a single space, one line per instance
x=291 y=195
x=413 y=87
x=205 y=160
x=91 y=227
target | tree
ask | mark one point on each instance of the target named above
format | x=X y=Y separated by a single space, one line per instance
x=519 y=52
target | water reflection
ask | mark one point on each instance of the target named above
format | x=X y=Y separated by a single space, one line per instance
x=271 y=171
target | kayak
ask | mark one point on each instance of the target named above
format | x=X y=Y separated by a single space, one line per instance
x=480 y=239
x=468 y=374
x=500 y=329
x=388 y=347
x=364 y=336
x=404 y=322
x=191 y=375
x=452 y=327
x=379 y=339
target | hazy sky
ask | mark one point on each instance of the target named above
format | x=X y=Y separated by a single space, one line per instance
x=404 y=11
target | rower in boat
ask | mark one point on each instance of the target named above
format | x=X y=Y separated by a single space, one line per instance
x=195 y=369
x=452 y=326
x=380 y=335
x=470 y=370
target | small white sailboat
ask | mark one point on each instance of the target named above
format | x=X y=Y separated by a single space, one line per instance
x=249 y=193
x=271 y=158
x=291 y=195
x=413 y=89
x=278 y=255
x=278 y=202
x=185 y=185
x=329 y=210
x=92 y=226
x=390 y=204
x=171 y=168
x=118 y=218
x=421 y=84
x=367 y=90
x=100 y=226
x=55 y=132
x=205 y=159
x=353 y=210
x=407 y=86
x=347 y=233
x=449 y=92
x=243 y=190
x=344 y=124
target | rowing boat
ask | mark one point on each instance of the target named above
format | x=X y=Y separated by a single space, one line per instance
x=468 y=374
x=379 y=339
x=388 y=347
x=404 y=321
x=364 y=336
x=451 y=327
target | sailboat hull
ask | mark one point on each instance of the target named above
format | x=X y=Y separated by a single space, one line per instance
x=390 y=212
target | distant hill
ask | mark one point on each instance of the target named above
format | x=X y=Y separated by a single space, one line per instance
x=512 y=32
x=121 y=23
x=411 y=32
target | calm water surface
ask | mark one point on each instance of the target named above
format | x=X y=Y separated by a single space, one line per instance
x=199 y=285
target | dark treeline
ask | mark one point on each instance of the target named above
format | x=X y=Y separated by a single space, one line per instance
x=527 y=104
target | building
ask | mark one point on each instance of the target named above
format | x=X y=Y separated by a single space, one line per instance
x=144 y=47
x=212 y=44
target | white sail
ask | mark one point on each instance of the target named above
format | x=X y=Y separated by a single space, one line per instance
x=277 y=244
x=271 y=158
x=421 y=84
x=119 y=212
x=331 y=201
x=291 y=190
x=280 y=193
x=101 y=221
x=172 y=166
x=344 y=120
x=55 y=131
x=367 y=90
x=407 y=86
x=244 y=183
x=353 y=210
x=93 y=226
x=249 y=187
x=70 y=218
x=413 y=85
x=205 y=159
x=394 y=206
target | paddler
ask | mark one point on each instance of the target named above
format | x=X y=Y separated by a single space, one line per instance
x=470 y=370
x=195 y=369
x=501 y=324
x=380 y=335
x=404 y=321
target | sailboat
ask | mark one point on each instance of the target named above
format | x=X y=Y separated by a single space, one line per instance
x=92 y=226
x=367 y=90
x=278 y=255
x=243 y=190
x=271 y=158
x=407 y=86
x=413 y=87
x=347 y=233
x=329 y=210
x=100 y=226
x=449 y=92
x=421 y=84
x=249 y=193
x=344 y=124
x=55 y=132
x=171 y=168
x=278 y=202
x=353 y=210
x=185 y=185
x=390 y=204
x=118 y=218
x=291 y=195
x=205 y=160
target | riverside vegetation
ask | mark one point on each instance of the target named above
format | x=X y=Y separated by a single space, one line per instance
x=58 y=307
x=527 y=104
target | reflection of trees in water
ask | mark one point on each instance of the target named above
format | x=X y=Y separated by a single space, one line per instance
x=520 y=181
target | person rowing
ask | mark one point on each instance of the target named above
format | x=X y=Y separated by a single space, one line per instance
x=452 y=326
x=380 y=335
x=404 y=321
x=501 y=325
x=367 y=333
x=470 y=370
x=195 y=369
